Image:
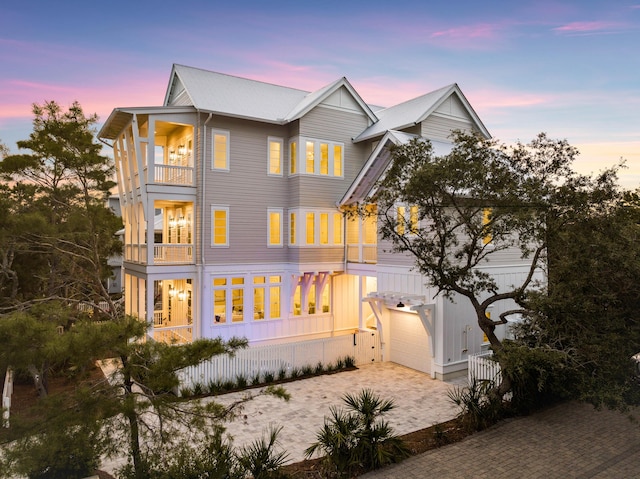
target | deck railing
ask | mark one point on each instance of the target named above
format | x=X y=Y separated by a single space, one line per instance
x=172 y=174
x=172 y=253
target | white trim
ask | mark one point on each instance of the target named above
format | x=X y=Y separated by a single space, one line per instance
x=227 y=135
x=215 y=208
x=280 y=212
x=301 y=157
x=280 y=141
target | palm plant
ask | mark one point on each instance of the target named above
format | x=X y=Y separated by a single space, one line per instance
x=260 y=458
x=358 y=438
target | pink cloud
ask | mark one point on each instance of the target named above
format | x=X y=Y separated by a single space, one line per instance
x=587 y=27
x=475 y=36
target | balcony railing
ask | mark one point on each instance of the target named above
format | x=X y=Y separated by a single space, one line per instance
x=172 y=253
x=162 y=253
x=359 y=253
x=173 y=175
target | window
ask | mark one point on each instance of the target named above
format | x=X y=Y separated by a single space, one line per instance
x=486 y=221
x=292 y=228
x=275 y=156
x=324 y=228
x=321 y=158
x=275 y=283
x=228 y=297
x=324 y=158
x=220 y=150
x=293 y=157
x=258 y=297
x=311 y=233
x=219 y=225
x=413 y=220
x=311 y=157
x=266 y=297
x=337 y=160
x=274 y=218
x=220 y=300
x=407 y=224
x=337 y=228
x=317 y=228
x=401 y=221
x=314 y=300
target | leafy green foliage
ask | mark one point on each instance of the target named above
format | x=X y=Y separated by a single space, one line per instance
x=358 y=439
x=57 y=232
x=589 y=316
x=72 y=453
x=478 y=408
x=261 y=459
x=479 y=201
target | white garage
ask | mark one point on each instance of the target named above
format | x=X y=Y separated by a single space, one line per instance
x=409 y=342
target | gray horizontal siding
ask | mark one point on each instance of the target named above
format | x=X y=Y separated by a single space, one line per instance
x=246 y=189
x=440 y=128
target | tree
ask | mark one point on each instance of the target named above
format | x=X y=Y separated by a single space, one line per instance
x=478 y=201
x=57 y=229
x=589 y=316
x=134 y=414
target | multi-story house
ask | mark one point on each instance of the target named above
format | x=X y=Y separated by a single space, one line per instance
x=232 y=197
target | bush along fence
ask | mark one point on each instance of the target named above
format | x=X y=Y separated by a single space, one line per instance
x=269 y=363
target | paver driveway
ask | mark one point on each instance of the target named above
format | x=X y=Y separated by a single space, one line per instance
x=567 y=441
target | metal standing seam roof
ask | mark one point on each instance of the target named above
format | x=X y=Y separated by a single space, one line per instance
x=238 y=97
x=416 y=110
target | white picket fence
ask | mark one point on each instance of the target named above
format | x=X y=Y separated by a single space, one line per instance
x=7 y=391
x=482 y=367
x=363 y=346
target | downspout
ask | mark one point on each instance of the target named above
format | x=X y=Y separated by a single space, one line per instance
x=202 y=207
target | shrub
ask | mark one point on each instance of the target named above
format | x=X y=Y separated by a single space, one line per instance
x=358 y=439
x=260 y=458
x=269 y=377
x=349 y=362
x=307 y=370
x=241 y=381
x=282 y=373
x=319 y=367
x=477 y=409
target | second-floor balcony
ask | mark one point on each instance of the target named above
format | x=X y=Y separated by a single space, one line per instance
x=162 y=253
x=172 y=175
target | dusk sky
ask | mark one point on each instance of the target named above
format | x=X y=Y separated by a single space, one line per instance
x=568 y=68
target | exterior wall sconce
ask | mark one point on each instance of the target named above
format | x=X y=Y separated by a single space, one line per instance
x=182 y=150
x=172 y=292
x=182 y=221
x=172 y=155
x=182 y=295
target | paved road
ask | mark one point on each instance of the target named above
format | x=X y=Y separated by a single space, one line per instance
x=567 y=441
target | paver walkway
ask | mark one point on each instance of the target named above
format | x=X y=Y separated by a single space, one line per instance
x=420 y=402
x=567 y=441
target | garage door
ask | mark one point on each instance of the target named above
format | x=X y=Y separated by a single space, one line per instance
x=409 y=342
